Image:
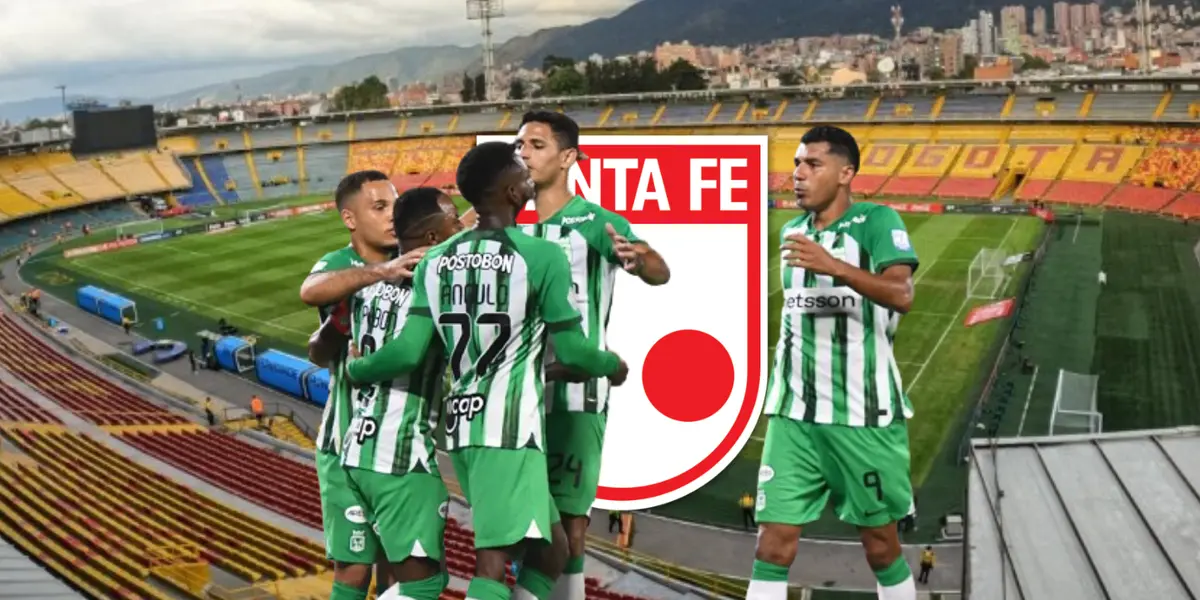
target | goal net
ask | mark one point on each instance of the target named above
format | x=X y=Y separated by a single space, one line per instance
x=1075 y=404
x=140 y=228
x=986 y=277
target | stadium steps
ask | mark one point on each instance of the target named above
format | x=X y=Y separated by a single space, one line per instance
x=26 y=539
x=109 y=568
x=712 y=114
x=226 y=537
x=1085 y=107
x=72 y=386
x=280 y=428
x=658 y=114
x=1163 y=104
x=874 y=106
x=208 y=184
x=125 y=189
x=937 y=107
x=253 y=170
x=152 y=429
x=16 y=408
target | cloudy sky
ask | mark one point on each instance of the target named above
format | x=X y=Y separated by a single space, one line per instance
x=144 y=48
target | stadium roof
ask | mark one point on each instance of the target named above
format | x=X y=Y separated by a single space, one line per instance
x=1085 y=516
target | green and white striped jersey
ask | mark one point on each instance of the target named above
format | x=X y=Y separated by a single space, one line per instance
x=834 y=362
x=579 y=229
x=392 y=428
x=335 y=419
x=493 y=295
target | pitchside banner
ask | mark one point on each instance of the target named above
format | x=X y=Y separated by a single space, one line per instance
x=696 y=347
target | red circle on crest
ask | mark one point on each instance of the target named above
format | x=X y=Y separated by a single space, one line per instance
x=688 y=375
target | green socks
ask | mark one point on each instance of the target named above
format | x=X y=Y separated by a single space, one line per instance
x=429 y=588
x=765 y=571
x=487 y=589
x=535 y=582
x=895 y=573
x=342 y=591
x=574 y=565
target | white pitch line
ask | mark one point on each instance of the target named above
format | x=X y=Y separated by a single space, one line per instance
x=1028 y=395
x=950 y=325
x=185 y=301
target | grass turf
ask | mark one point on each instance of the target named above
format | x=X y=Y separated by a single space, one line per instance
x=251 y=277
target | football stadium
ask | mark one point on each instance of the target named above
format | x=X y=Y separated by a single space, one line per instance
x=1051 y=352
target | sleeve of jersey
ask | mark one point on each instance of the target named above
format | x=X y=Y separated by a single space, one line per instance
x=889 y=241
x=333 y=261
x=400 y=356
x=600 y=237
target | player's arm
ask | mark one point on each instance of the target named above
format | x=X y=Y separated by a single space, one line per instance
x=634 y=254
x=398 y=356
x=890 y=285
x=330 y=339
x=572 y=349
x=323 y=288
x=405 y=352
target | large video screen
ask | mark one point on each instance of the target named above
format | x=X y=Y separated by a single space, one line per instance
x=109 y=129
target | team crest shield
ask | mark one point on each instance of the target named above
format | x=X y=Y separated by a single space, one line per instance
x=696 y=347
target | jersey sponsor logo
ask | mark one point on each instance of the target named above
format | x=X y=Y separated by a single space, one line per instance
x=697 y=370
x=354 y=514
x=444 y=509
x=821 y=301
x=387 y=293
x=900 y=240
x=365 y=429
x=858 y=220
x=485 y=261
x=462 y=408
x=577 y=220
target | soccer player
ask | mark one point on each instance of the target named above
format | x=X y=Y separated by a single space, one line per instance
x=389 y=451
x=491 y=295
x=835 y=403
x=598 y=243
x=365 y=200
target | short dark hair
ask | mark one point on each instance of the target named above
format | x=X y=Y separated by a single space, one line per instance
x=414 y=205
x=353 y=183
x=481 y=168
x=565 y=129
x=840 y=142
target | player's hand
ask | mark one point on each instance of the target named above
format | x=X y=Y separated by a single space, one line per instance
x=339 y=318
x=560 y=372
x=622 y=372
x=626 y=252
x=469 y=218
x=801 y=252
x=352 y=351
x=402 y=266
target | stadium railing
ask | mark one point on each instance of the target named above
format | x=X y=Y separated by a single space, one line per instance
x=721 y=585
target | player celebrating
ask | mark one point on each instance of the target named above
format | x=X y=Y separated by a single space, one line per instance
x=836 y=407
x=389 y=452
x=365 y=200
x=598 y=242
x=493 y=293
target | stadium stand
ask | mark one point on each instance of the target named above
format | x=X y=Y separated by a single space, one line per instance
x=29 y=176
x=320 y=133
x=213 y=169
x=169 y=169
x=278 y=172
x=483 y=122
x=239 y=169
x=1092 y=174
x=87 y=180
x=879 y=162
x=15 y=204
x=377 y=128
x=16 y=408
x=429 y=161
x=134 y=173
x=976 y=173
x=1186 y=207
x=91 y=397
x=380 y=156
x=21 y=577
x=322 y=166
x=202 y=191
x=116 y=517
x=273 y=137
x=924 y=169
x=1034 y=168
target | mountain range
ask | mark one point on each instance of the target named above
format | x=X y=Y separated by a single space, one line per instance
x=642 y=26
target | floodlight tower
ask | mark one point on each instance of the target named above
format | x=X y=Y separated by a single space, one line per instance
x=484 y=11
x=897 y=21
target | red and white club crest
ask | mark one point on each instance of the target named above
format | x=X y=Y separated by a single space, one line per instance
x=696 y=347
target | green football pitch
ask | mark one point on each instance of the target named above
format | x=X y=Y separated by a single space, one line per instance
x=251 y=278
